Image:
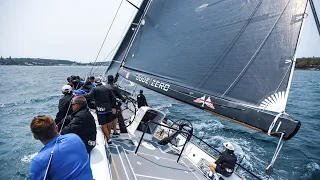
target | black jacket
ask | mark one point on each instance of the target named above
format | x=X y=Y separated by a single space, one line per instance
x=226 y=162
x=116 y=93
x=141 y=100
x=81 y=123
x=64 y=104
x=104 y=100
x=85 y=89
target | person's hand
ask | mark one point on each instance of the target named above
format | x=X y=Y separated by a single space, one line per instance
x=114 y=110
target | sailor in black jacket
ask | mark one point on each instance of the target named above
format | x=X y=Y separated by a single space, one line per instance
x=225 y=163
x=105 y=107
x=64 y=103
x=141 y=99
x=81 y=122
x=118 y=116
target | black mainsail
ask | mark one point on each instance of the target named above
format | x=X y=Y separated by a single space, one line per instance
x=233 y=58
x=118 y=57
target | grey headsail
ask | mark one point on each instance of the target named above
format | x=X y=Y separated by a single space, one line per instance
x=118 y=57
x=234 y=58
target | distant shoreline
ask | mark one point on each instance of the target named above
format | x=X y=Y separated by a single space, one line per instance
x=46 y=62
x=310 y=64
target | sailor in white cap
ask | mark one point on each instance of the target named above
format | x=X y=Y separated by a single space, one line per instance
x=225 y=164
x=64 y=103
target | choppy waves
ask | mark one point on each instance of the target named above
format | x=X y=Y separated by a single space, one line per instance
x=29 y=101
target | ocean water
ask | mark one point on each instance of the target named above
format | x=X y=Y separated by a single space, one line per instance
x=29 y=91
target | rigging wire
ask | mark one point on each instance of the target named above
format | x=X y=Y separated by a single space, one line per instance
x=106 y=36
x=223 y=55
x=255 y=54
x=315 y=15
x=135 y=6
x=122 y=35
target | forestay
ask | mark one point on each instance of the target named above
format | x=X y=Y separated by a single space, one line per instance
x=118 y=57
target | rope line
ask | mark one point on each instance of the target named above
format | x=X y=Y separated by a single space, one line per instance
x=122 y=35
x=106 y=37
x=51 y=154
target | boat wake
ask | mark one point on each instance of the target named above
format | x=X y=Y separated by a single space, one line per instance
x=28 y=158
x=312 y=171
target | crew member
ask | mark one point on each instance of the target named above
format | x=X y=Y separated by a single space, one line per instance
x=64 y=103
x=91 y=79
x=81 y=122
x=141 y=100
x=225 y=163
x=86 y=87
x=70 y=159
x=105 y=107
x=117 y=95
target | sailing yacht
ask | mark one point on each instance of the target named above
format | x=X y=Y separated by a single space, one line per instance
x=231 y=58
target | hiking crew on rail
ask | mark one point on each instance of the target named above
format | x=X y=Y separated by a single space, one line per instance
x=77 y=128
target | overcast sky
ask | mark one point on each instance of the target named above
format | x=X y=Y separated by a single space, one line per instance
x=75 y=29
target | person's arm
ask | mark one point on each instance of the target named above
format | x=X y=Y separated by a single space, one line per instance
x=220 y=159
x=145 y=100
x=60 y=112
x=36 y=173
x=66 y=122
x=73 y=127
x=91 y=94
x=113 y=102
x=118 y=94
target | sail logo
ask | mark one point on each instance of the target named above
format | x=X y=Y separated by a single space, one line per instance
x=153 y=82
x=203 y=101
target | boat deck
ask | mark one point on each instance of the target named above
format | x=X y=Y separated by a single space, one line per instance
x=151 y=162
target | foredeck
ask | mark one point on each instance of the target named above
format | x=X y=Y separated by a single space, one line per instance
x=150 y=162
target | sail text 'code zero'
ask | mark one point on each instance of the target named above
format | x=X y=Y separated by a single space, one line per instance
x=153 y=82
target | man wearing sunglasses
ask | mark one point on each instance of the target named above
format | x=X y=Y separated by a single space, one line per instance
x=81 y=122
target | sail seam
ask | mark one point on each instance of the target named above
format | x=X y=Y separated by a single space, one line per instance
x=255 y=54
x=223 y=55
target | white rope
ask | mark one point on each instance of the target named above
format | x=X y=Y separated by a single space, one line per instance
x=276 y=153
x=274 y=122
x=51 y=154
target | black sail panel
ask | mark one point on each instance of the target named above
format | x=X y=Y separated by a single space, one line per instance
x=223 y=48
x=118 y=57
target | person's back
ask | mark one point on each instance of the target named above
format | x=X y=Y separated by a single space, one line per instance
x=141 y=99
x=103 y=98
x=105 y=107
x=226 y=163
x=70 y=160
x=82 y=123
x=64 y=103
